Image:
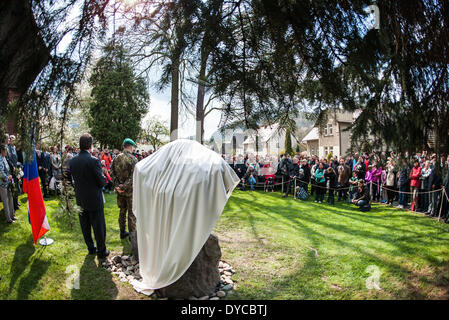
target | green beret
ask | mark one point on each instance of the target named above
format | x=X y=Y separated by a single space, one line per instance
x=129 y=141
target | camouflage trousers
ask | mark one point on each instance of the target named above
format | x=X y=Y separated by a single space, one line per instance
x=126 y=204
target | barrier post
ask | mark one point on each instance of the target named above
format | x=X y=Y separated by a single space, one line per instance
x=443 y=192
x=294 y=190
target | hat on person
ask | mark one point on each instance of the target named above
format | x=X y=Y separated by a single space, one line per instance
x=129 y=141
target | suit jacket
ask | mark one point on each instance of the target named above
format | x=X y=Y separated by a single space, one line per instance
x=44 y=161
x=13 y=155
x=89 y=181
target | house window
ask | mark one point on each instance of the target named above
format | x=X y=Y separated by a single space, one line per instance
x=328 y=129
x=331 y=150
x=326 y=151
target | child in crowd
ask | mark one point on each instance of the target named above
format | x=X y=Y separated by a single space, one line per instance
x=252 y=182
x=353 y=182
x=300 y=191
x=109 y=186
x=331 y=176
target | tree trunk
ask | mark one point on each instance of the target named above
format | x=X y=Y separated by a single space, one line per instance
x=200 y=97
x=23 y=53
x=174 y=101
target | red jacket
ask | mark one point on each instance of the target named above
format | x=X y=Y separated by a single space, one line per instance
x=107 y=159
x=266 y=167
x=414 y=177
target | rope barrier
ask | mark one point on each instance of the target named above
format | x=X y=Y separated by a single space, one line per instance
x=405 y=192
x=442 y=190
x=285 y=182
x=445 y=194
x=339 y=188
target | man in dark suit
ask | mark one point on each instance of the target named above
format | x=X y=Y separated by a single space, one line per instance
x=89 y=182
x=44 y=166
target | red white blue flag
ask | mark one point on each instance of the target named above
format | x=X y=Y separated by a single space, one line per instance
x=36 y=207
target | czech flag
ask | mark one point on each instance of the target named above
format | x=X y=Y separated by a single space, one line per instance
x=36 y=207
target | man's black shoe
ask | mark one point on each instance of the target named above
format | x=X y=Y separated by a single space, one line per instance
x=93 y=251
x=104 y=255
x=124 y=234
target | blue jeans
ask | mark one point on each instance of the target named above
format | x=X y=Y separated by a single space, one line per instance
x=402 y=195
x=364 y=205
x=351 y=195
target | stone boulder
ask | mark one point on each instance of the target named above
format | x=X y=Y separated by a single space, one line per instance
x=134 y=246
x=201 y=278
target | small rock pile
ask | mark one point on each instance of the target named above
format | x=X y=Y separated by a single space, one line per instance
x=127 y=269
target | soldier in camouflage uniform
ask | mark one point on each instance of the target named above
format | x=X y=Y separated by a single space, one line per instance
x=122 y=168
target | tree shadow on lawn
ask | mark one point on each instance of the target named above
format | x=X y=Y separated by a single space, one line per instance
x=412 y=244
x=419 y=239
x=95 y=282
x=308 y=282
x=315 y=268
x=356 y=215
x=297 y=222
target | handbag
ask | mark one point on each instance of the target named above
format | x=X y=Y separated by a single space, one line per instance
x=51 y=185
x=302 y=194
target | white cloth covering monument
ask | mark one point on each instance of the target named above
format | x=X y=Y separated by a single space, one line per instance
x=179 y=193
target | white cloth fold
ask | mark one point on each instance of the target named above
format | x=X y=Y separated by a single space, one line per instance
x=179 y=193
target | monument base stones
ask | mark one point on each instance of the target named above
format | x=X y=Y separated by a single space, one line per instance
x=208 y=278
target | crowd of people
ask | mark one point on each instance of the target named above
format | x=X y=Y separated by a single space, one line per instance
x=417 y=182
x=412 y=182
x=11 y=174
x=53 y=163
x=88 y=171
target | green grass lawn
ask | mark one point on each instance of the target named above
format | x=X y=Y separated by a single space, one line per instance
x=279 y=248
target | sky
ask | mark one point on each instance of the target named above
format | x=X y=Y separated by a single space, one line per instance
x=160 y=107
x=159 y=101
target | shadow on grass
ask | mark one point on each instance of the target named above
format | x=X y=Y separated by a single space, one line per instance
x=126 y=243
x=94 y=282
x=4 y=226
x=410 y=242
x=21 y=260
x=30 y=281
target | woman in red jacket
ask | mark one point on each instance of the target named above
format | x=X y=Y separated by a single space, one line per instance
x=107 y=158
x=415 y=183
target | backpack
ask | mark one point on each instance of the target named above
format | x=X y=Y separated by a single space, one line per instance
x=302 y=194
